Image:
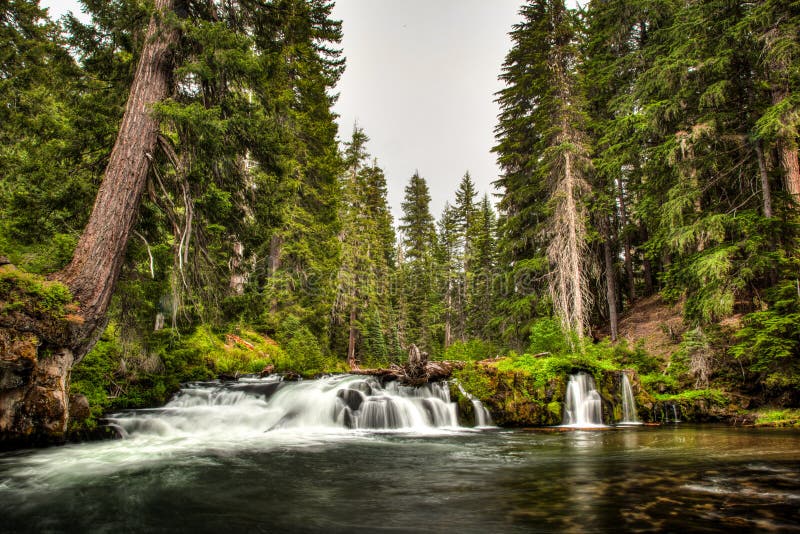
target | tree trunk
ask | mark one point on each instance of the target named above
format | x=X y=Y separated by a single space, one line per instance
x=628 y=259
x=765 y=191
x=647 y=268
x=574 y=250
x=787 y=148
x=274 y=263
x=351 y=344
x=238 y=276
x=98 y=257
x=34 y=402
x=447 y=327
x=791 y=170
x=611 y=291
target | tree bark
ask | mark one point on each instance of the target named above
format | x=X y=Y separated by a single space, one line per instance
x=611 y=291
x=238 y=277
x=351 y=344
x=787 y=148
x=98 y=257
x=765 y=190
x=574 y=254
x=791 y=170
x=628 y=259
x=274 y=263
x=449 y=303
x=647 y=268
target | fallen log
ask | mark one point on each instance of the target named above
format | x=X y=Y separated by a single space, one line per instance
x=417 y=371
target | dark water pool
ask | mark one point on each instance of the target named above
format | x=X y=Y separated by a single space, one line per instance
x=678 y=478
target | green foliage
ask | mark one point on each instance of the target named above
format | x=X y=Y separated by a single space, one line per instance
x=119 y=375
x=420 y=301
x=547 y=336
x=547 y=368
x=659 y=382
x=32 y=294
x=474 y=381
x=714 y=396
x=785 y=417
x=303 y=352
x=472 y=350
x=364 y=303
x=769 y=341
x=246 y=353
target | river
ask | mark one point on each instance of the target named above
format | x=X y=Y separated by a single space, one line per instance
x=245 y=458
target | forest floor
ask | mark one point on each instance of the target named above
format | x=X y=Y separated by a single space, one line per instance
x=658 y=326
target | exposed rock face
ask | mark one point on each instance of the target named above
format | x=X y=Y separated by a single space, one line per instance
x=515 y=399
x=34 y=389
x=36 y=326
x=79 y=409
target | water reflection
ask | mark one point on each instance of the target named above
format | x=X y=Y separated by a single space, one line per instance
x=684 y=478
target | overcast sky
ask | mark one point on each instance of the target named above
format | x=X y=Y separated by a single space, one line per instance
x=421 y=77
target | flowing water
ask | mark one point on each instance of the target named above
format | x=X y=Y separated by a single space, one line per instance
x=251 y=407
x=483 y=419
x=629 y=416
x=582 y=406
x=260 y=456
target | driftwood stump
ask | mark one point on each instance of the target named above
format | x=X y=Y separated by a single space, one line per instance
x=417 y=371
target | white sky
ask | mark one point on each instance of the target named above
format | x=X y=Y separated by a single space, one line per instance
x=421 y=77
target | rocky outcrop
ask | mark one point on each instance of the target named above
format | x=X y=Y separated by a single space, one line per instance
x=34 y=390
x=35 y=330
x=513 y=399
x=519 y=399
x=609 y=385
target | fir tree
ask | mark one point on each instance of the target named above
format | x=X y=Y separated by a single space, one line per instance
x=544 y=156
x=418 y=268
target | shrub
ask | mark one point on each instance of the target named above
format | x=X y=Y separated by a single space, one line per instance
x=472 y=350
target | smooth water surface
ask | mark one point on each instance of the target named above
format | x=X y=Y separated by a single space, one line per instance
x=313 y=479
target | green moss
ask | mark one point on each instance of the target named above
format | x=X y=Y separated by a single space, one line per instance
x=555 y=409
x=713 y=395
x=659 y=382
x=244 y=352
x=547 y=368
x=32 y=294
x=476 y=383
x=783 y=417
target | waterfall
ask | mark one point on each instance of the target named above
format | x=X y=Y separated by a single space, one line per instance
x=628 y=403
x=582 y=407
x=482 y=416
x=251 y=407
x=674 y=414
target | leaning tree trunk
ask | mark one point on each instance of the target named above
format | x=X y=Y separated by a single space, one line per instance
x=96 y=263
x=38 y=353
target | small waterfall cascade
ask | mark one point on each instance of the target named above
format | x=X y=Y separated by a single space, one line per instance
x=628 y=403
x=674 y=410
x=251 y=407
x=582 y=406
x=482 y=416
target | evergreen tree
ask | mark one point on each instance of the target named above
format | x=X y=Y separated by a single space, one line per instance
x=363 y=302
x=481 y=274
x=450 y=240
x=543 y=153
x=47 y=157
x=418 y=268
x=465 y=214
